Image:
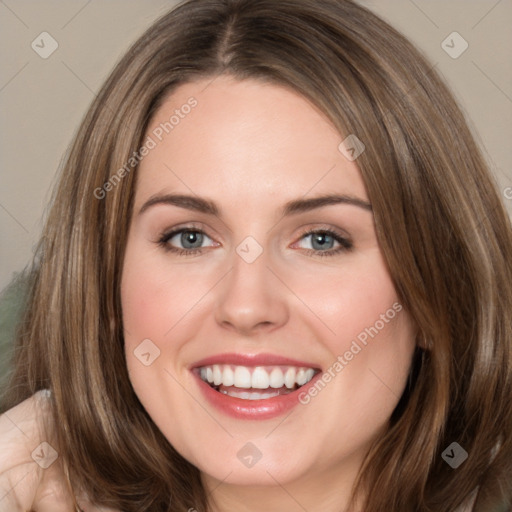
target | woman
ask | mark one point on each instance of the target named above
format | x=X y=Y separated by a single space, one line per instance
x=276 y=275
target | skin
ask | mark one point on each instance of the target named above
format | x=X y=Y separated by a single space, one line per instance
x=32 y=475
x=251 y=147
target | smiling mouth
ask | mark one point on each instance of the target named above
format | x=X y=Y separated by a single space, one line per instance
x=255 y=382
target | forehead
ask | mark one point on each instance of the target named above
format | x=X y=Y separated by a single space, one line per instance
x=244 y=141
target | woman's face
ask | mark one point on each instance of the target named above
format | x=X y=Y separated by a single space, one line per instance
x=236 y=270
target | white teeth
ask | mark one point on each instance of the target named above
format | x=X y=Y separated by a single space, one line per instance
x=242 y=377
x=228 y=377
x=301 y=376
x=304 y=375
x=258 y=377
x=289 y=378
x=217 y=374
x=276 y=378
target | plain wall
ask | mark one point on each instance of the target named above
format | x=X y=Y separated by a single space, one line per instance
x=43 y=100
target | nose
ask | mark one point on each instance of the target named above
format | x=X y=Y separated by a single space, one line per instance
x=251 y=299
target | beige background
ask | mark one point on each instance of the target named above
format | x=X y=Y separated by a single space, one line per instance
x=43 y=100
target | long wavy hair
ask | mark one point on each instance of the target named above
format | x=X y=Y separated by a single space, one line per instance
x=442 y=228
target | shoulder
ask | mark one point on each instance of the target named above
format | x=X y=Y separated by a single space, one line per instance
x=21 y=426
x=22 y=454
x=31 y=471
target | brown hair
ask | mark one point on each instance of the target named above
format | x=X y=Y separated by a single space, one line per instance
x=443 y=231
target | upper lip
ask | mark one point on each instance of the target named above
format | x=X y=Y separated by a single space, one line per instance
x=263 y=359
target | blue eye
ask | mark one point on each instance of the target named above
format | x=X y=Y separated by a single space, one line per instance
x=191 y=241
x=322 y=242
x=188 y=241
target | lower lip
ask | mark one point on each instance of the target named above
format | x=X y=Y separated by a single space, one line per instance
x=253 y=409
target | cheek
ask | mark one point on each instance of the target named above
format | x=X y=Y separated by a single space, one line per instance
x=151 y=305
x=356 y=298
x=144 y=302
x=155 y=296
x=371 y=340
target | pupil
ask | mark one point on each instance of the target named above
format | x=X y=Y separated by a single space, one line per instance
x=322 y=240
x=191 y=237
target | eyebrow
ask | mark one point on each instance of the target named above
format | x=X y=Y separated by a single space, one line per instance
x=304 y=205
x=296 y=206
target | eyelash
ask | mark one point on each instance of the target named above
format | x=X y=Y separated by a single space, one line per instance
x=345 y=244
